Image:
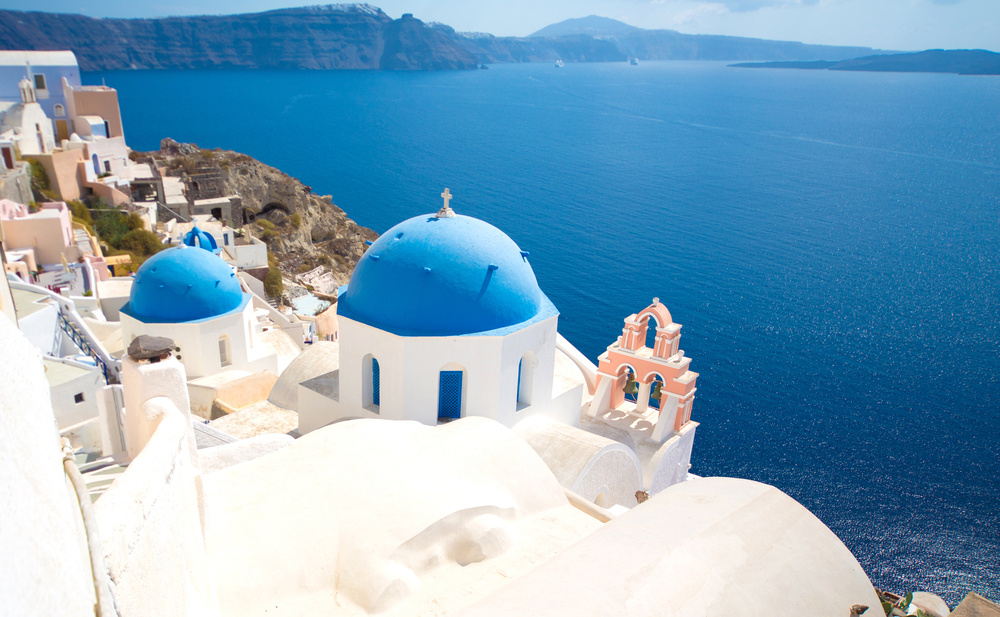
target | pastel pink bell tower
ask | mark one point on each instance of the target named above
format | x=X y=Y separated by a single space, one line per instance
x=650 y=389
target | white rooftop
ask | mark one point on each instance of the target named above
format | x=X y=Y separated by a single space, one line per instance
x=37 y=58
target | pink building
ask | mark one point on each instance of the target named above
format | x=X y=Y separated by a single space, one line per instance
x=50 y=239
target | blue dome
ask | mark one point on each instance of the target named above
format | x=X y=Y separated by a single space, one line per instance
x=430 y=276
x=199 y=238
x=181 y=284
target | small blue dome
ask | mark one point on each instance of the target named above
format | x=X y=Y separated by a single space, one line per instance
x=181 y=284
x=199 y=238
x=430 y=276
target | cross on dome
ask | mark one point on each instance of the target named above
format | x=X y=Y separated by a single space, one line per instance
x=446 y=212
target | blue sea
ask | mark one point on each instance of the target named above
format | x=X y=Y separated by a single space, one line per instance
x=830 y=242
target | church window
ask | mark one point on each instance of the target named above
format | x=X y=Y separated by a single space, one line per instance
x=59 y=111
x=371 y=383
x=376 y=386
x=525 y=374
x=224 y=355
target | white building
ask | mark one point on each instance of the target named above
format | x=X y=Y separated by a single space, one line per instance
x=24 y=126
x=443 y=319
x=46 y=71
x=193 y=297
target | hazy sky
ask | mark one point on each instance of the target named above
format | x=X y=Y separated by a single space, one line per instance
x=886 y=24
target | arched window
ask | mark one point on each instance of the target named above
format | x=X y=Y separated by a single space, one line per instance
x=525 y=379
x=371 y=386
x=59 y=111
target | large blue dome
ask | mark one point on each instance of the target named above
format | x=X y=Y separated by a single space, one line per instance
x=183 y=284
x=430 y=276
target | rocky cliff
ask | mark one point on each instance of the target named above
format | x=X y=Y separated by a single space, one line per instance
x=301 y=229
x=354 y=36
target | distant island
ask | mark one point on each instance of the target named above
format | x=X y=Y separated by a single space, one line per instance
x=960 y=61
x=361 y=36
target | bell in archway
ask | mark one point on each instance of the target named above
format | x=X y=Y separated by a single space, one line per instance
x=655 y=394
x=630 y=387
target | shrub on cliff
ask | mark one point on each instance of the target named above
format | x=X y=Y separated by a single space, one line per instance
x=80 y=212
x=273 y=285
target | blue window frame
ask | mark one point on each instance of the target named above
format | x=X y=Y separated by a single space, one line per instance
x=376 y=385
x=520 y=395
x=450 y=395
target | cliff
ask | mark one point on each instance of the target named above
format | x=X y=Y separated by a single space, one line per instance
x=960 y=61
x=301 y=229
x=323 y=37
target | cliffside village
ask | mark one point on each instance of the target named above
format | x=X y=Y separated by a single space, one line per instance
x=421 y=440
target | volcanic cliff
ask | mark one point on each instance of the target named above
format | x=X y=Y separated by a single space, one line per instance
x=350 y=36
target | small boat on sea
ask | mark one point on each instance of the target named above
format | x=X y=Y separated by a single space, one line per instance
x=559 y=64
x=634 y=61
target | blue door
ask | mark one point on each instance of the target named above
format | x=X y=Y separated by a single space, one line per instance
x=450 y=395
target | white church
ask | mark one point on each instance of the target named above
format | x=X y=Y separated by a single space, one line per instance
x=443 y=319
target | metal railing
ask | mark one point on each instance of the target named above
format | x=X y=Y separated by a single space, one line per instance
x=80 y=341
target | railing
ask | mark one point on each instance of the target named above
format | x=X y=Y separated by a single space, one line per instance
x=78 y=339
x=171 y=211
x=72 y=323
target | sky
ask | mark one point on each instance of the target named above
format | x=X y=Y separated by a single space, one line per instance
x=883 y=24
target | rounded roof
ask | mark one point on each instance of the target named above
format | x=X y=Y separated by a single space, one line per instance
x=318 y=359
x=201 y=239
x=434 y=276
x=180 y=284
